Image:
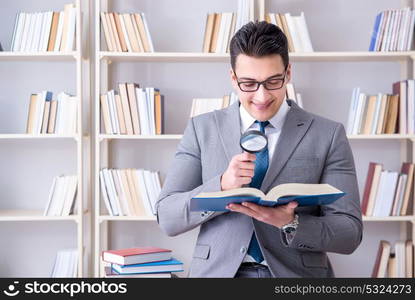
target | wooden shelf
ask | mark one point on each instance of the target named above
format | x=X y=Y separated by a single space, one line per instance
x=37 y=136
x=49 y=56
x=363 y=56
x=140 y=137
x=390 y=219
x=32 y=215
x=127 y=218
x=380 y=136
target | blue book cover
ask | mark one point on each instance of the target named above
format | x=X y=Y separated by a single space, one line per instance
x=375 y=32
x=304 y=194
x=171 y=265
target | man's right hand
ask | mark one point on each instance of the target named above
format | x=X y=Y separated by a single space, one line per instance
x=239 y=172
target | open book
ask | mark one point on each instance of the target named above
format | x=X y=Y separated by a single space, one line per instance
x=305 y=194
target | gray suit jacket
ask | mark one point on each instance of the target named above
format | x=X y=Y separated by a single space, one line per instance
x=311 y=149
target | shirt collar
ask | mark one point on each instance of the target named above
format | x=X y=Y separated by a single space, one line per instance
x=276 y=121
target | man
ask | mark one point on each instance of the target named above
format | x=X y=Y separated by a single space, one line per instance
x=251 y=240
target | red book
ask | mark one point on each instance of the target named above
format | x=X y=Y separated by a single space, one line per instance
x=139 y=255
x=368 y=186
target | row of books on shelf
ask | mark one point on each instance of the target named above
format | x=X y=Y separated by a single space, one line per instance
x=140 y=262
x=126 y=32
x=133 y=110
x=220 y=27
x=383 y=113
x=295 y=29
x=52 y=116
x=388 y=193
x=395 y=261
x=62 y=195
x=130 y=192
x=66 y=264
x=45 y=31
x=393 y=30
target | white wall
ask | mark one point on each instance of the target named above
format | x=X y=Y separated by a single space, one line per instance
x=28 y=249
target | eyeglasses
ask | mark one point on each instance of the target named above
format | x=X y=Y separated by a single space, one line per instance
x=269 y=84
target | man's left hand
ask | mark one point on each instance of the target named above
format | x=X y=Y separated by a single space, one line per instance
x=277 y=216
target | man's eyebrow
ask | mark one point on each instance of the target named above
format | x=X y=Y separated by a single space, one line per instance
x=253 y=79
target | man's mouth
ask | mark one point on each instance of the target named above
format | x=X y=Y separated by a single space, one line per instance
x=261 y=106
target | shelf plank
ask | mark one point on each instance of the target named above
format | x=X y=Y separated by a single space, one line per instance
x=390 y=219
x=36 y=136
x=36 y=56
x=140 y=137
x=127 y=218
x=32 y=215
x=360 y=56
x=380 y=136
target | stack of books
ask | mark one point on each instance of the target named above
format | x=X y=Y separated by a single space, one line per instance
x=295 y=28
x=373 y=114
x=133 y=110
x=140 y=262
x=62 y=196
x=394 y=263
x=393 y=30
x=205 y=105
x=66 y=264
x=388 y=193
x=126 y=32
x=45 y=31
x=52 y=116
x=130 y=192
x=220 y=27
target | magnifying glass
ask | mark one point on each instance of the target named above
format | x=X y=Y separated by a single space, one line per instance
x=253 y=141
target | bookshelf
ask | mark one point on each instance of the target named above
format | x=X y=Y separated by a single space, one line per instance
x=331 y=56
x=51 y=144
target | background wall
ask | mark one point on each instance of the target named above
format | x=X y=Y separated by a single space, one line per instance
x=28 y=249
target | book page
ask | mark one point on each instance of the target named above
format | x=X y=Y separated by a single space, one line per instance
x=292 y=189
x=246 y=191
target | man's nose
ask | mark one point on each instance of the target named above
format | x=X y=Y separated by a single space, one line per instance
x=262 y=94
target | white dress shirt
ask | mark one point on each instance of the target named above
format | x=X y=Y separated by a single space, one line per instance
x=272 y=131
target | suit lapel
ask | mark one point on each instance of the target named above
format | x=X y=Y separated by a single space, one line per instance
x=228 y=122
x=295 y=126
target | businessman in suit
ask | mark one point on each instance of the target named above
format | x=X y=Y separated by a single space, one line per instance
x=249 y=240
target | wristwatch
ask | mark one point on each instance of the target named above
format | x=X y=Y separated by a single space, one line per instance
x=291 y=227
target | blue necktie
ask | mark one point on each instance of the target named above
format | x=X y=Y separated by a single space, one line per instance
x=261 y=166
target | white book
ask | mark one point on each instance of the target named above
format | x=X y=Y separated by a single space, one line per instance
x=400 y=259
x=113 y=111
x=74 y=115
x=402 y=29
x=142 y=111
x=405 y=29
x=105 y=193
x=143 y=189
x=17 y=24
x=30 y=33
x=111 y=176
x=294 y=33
x=47 y=31
x=111 y=192
x=70 y=41
x=62 y=199
x=59 y=101
x=395 y=31
x=383 y=209
x=221 y=33
x=304 y=33
x=299 y=100
x=56 y=264
x=386 y=30
x=410 y=105
x=64 y=111
x=273 y=19
x=70 y=196
x=125 y=34
x=403 y=111
x=122 y=196
x=151 y=110
x=59 y=32
x=352 y=110
x=411 y=31
x=40 y=106
x=42 y=27
x=359 y=113
x=150 y=40
x=25 y=32
x=239 y=15
x=392 y=30
x=375 y=122
x=59 y=197
x=379 y=33
x=379 y=200
x=51 y=192
x=35 y=33
x=227 y=33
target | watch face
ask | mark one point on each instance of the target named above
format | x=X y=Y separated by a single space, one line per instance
x=289 y=229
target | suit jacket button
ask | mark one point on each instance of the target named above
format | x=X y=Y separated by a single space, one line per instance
x=243 y=249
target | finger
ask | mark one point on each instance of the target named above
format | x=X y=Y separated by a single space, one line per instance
x=292 y=204
x=253 y=206
x=246 y=156
x=244 y=180
x=245 y=173
x=243 y=210
x=246 y=165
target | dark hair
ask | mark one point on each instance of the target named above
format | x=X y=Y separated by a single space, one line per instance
x=259 y=39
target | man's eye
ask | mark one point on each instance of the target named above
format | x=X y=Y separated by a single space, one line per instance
x=249 y=84
x=274 y=81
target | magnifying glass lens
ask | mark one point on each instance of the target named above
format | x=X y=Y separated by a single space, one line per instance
x=253 y=141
